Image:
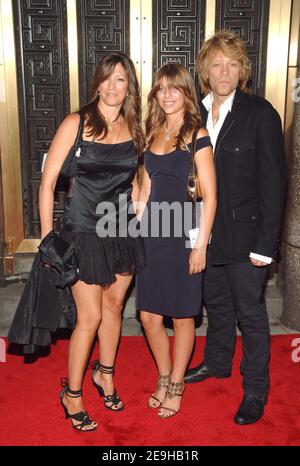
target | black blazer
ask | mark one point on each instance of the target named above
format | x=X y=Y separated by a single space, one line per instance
x=251 y=174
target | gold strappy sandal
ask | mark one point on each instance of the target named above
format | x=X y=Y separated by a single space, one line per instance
x=162 y=383
x=174 y=389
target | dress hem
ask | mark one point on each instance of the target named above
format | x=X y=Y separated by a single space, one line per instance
x=151 y=311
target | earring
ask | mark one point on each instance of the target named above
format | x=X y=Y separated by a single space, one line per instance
x=127 y=95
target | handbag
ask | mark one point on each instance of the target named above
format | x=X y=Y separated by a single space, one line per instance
x=194 y=194
x=193 y=188
x=68 y=169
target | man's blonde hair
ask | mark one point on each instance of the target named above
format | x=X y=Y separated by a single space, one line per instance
x=232 y=46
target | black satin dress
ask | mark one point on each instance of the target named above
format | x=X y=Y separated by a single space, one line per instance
x=98 y=212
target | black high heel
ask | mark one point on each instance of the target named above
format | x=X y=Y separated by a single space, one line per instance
x=81 y=416
x=114 y=399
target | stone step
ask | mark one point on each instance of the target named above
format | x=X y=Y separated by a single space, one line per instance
x=10 y=296
x=23 y=263
x=273 y=300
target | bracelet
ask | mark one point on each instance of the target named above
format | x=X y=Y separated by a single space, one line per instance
x=199 y=249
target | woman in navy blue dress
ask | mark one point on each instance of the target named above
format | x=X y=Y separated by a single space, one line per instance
x=171 y=282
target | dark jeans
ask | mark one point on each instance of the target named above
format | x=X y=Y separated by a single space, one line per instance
x=235 y=292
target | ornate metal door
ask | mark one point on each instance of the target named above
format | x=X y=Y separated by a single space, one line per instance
x=178 y=32
x=102 y=27
x=43 y=78
x=250 y=20
x=43 y=92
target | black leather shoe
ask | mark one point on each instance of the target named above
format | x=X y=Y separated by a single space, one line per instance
x=250 y=410
x=201 y=372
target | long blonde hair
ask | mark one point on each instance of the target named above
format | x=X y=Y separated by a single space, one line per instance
x=131 y=108
x=179 y=77
x=232 y=46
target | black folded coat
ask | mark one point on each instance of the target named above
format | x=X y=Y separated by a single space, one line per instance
x=46 y=303
x=61 y=257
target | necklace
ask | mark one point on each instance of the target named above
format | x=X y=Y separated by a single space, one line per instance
x=115 y=142
x=108 y=122
x=167 y=131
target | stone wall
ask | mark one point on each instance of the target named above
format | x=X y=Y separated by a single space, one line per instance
x=2 y=244
x=291 y=234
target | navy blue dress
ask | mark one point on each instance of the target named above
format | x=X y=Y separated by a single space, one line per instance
x=164 y=286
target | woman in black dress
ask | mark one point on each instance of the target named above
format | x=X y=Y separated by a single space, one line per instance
x=171 y=282
x=108 y=257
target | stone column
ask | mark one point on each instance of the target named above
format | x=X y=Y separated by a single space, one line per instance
x=291 y=234
x=2 y=244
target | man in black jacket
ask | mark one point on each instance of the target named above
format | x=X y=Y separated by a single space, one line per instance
x=249 y=155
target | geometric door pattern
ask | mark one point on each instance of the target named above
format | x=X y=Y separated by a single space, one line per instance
x=104 y=26
x=249 y=19
x=178 y=32
x=43 y=92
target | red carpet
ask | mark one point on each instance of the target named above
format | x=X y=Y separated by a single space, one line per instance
x=31 y=413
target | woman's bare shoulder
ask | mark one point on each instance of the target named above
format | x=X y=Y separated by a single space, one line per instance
x=71 y=120
x=69 y=126
x=202 y=133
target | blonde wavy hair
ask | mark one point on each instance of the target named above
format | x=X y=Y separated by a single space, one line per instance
x=232 y=46
x=178 y=77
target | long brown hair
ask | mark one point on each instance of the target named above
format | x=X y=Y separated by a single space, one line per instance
x=131 y=107
x=179 y=77
x=232 y=46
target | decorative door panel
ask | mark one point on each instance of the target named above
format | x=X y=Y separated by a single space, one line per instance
x=178 y=32
x=43 y=79
x=248 y=18
x=43 y=87
x=103 y=26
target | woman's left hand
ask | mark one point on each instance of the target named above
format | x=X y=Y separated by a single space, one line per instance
x=197 y=260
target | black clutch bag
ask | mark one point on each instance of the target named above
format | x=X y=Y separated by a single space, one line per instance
x=60 y=256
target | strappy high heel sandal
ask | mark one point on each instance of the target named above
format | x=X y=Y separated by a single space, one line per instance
x=113 y=401
x=175 y=389
x=162 y=383
x=82 y=416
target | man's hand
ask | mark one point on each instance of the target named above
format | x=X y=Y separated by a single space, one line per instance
x=258 y=263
